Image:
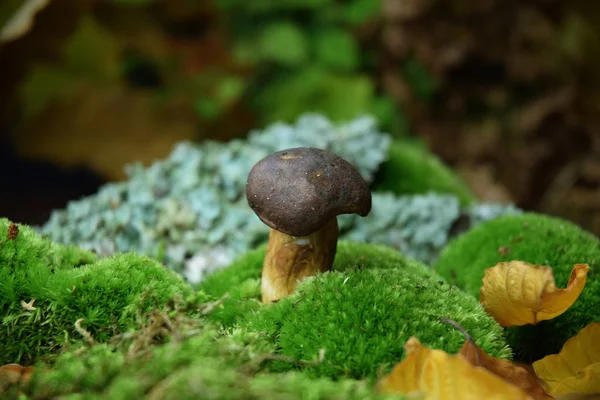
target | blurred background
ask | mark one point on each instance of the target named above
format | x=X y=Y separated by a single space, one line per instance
x=504 y=91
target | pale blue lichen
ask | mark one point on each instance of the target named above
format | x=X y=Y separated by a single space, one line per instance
x=190 y=211
x=193 y=201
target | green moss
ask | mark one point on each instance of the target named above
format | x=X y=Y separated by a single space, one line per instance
x=362 y=313
x=412 y=169
x=68 y=284
x=207 y=365
x=241 y=279
x=248 y=267
x=536 y=239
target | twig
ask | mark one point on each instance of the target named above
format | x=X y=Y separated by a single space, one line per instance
x=257 y=362
x=83 y=332
x=465 y=333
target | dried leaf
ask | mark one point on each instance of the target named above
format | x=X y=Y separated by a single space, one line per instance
x=506 y=370
x=435 y=374
x=518 y=293
x=13 y=375
x=576 y=369
x=22 y=20
x=510 y=372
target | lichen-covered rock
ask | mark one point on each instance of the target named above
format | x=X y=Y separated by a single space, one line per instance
x=536 y=239
x=361 y=313
x=46 y=288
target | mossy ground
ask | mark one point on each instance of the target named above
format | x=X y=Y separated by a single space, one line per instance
x=148 y=335
x=241 y=280
x=361 y=313
x=67 y=284
x=412 y=169
x=207 y=365
x=536 y=239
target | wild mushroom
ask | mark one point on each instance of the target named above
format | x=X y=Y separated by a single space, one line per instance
x=299 y=193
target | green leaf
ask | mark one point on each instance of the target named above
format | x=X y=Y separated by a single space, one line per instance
x=230 y=89
x=208 y=108
x=360 y=11
x=338 y=96
x=284 y=43
x=337 y=48
x=390 y=117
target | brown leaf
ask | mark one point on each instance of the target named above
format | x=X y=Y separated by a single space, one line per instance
x=504 y=369
x=14 y=375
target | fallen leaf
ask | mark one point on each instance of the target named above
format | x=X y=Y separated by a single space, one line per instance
x=20 y=23
x=575 y=370
x=13 y=375
x=517 y=293
x=435 y=374
x=504 y=369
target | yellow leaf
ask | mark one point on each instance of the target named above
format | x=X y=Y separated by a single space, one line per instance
x=504 y=369
x=576 y=369
x=435 y=374
x=518 y=293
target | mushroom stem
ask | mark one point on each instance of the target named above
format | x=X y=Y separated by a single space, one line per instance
x=291 y=259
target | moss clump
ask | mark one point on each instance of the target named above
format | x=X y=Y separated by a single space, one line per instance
x=241 y=279
x=207 y=365
x=412 y=169
x=67 y=284
x=362 y=312
x=536 y=239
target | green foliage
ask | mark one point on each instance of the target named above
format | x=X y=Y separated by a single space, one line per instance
x=306 y=56
x=361 y=313
x=339 y=96
x=269 y=6
x=215 y=99
x=67 y=284
x=536 y=239
x=411 y=168
x=284 y=43
x=337 y=49
x=362 y=318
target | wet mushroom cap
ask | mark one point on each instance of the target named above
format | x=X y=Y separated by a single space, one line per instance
x=297 y=191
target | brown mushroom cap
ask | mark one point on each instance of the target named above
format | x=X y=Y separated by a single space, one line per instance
x=297 y=191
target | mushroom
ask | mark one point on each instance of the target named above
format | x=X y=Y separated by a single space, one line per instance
x=299 y=193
